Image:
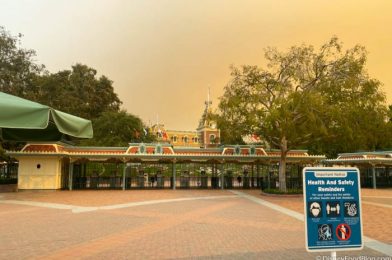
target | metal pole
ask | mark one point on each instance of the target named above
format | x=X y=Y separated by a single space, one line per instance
x=333 y=255
x=70 y=175
x=269 y=176
x=174 y=174
x=252 y=175
x=124 y=172
x=374 y=176
x=222 y=177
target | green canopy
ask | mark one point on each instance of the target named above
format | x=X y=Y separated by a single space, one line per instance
x=25 y=120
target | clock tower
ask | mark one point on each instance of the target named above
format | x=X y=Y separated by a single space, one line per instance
x=209 y=134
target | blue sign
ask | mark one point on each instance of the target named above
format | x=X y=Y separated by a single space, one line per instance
x=332 y=205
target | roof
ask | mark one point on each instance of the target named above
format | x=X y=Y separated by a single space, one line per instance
x=375 y=158
x=164 y=152
x=25 y=120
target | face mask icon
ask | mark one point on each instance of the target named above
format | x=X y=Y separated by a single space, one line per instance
x=315 y=209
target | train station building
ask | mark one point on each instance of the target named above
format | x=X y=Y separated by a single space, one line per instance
x=180 y=160
x=59 y=166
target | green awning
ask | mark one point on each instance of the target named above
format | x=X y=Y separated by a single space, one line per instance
x=25 y=120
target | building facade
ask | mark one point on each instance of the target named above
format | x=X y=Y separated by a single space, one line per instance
x=207 y=134
x=154 y=165
x=375 y=167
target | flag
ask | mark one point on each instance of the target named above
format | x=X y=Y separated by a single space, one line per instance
x=255 y=138
x=159 y=133
x=145 y=131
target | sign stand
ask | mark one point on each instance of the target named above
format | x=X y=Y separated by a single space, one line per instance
x=332 y=205
x=333 y=255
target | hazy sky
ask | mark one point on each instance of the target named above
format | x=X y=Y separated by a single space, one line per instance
x=162 y=55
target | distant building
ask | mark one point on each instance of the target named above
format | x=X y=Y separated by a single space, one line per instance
x=207 y=135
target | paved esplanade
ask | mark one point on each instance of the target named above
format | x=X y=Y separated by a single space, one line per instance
x=150 y=224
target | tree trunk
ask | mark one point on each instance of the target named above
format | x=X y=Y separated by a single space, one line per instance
x=282 y=165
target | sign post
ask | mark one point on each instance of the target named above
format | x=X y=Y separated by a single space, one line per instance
x=332 y=205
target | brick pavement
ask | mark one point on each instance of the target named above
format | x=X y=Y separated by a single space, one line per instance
x=107 y=197
x=232 y=228
x=376 y=220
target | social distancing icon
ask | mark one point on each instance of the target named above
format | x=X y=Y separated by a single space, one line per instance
x=343 y=232
x=332 y=209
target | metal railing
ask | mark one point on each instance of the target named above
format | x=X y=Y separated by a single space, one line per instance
x=162 y=182
x=8 y=173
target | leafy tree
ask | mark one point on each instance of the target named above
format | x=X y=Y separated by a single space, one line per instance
x=78 y=92
x=17 y=67
x=117 y=129
x=303 y=98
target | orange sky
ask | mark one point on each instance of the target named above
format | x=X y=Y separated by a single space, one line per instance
x=162 y=55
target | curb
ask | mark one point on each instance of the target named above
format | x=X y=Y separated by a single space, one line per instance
x=281 y=195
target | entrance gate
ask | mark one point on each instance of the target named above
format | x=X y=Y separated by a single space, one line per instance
x=114 y=175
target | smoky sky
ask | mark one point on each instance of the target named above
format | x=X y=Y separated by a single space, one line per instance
x=164 y=55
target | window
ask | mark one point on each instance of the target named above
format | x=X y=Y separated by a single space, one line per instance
x=158 y=149
x=142 y=148
x=174 y=139
x=185 y=139
x=212 y=139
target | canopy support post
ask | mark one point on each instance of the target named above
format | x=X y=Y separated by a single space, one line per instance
x=222 y=175
x=124 y=173
x=70 y=176
x=374 y=176
x=174 y=174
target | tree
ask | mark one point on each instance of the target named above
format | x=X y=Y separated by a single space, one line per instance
x=297 y=99
x=78 y=92
x=117 y=129
x=17 y=67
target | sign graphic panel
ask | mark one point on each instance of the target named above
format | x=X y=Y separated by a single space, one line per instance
x=332 y=209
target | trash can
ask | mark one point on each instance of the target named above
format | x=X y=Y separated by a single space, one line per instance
x=93 y=182
x=184 y=181
x=128 y=181
x=246 y=182
x=160 y=181
x=203 y=180
x=229 y=181
x=112 y=182
x=140 y=181
x=215 y=182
